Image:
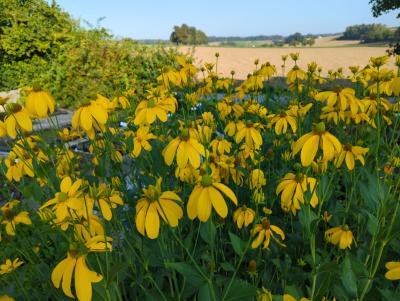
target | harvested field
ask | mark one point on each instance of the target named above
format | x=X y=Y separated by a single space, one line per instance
x=242 y=59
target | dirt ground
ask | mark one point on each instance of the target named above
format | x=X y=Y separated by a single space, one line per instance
x=241 y=60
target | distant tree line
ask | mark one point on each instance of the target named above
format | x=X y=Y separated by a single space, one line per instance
x=299 y=39
x=369 y=33
x=188 y=35
x=249 y=38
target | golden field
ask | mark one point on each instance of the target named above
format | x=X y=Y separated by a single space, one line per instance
x=241 y=60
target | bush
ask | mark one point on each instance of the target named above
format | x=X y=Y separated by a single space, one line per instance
x=45 y=47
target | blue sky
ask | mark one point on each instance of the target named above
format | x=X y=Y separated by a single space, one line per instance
x=154 y=19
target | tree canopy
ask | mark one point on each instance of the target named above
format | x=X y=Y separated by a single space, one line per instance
x=369 y=33
x=188 y=35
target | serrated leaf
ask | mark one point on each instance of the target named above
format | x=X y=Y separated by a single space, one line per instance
x=191 y=274
x=208 y=232
x=237 y=244
x=228 y=267
x=349 y=279
x=240 y=291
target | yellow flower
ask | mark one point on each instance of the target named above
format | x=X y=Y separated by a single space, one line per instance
x=250 y=132
x=296 y=74
x=320 y=166
x=122 y=101
x=318 y=138
x=340 y=235
x=67 y=201
x=10 y=266
x=141 y=140
x=157 y=105
x=14 y=168
x=379 y=61
x=11 y=218
x=40 y=103
x=263 y=295
x=90 y=117
x=394 y=270
x=264 y=232
x=349 y=154
x=243 y=216
x=106 y=199
x=281 y=122
x=342 y=98
x=187 y=149
x=6 y=298
x=293 y=188
x=75 y=263
x=207 y=194
x=153 y=204
x=221 y=146
x=257 y=179
x=17 y=119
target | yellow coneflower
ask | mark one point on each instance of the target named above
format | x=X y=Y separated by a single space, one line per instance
x=265 y=231
x=10 y=266
x=221 y=146
x=207 y=195
x=350 y=154
x=293 y=188
x=257 y=179
x=18 y=119
x=106 y=199
x=68 y=200
x=154 y=204
x=141 y=141
x=318 y=138
x=39 y=103
x=75 y=264
x=90 y=117
x=186 y=149
x=11 y=218
x=243 y=216
x=250 y=132
x=282 y=121
x=341 y=236
x=393 y=272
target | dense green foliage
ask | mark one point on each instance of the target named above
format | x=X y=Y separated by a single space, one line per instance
x=188 y=35
x=42 y=45
x=298 y=38
x=369 y=33
x=383 y=6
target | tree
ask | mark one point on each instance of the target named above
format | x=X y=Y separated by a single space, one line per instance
x=185 y=34
x=380 y=7
x=384 y=6
x=369 y=33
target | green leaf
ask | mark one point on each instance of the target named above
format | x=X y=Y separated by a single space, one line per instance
x=237 y=244
x=240 y=291
x=208 y=232
x=191 y=274
x=373 y=224
x=228 y=267
x=349 y=279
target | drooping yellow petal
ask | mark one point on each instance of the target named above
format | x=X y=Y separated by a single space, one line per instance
x=309 y=150
x=204 y=205
x=152 y=222
x=84 y=279
x=227 y=191
x=67 y=276
x=218 y=202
